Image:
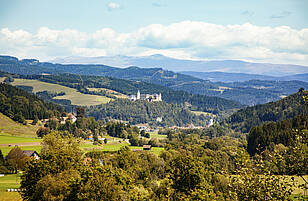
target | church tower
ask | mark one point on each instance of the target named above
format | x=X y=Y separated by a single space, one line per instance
x=138 y=95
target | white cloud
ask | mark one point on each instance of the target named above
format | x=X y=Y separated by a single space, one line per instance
x=187 y=39
x=113 y=5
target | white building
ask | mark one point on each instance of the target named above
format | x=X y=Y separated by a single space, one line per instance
x=147 y=97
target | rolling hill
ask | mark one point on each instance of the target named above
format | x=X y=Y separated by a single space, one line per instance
x=285 y=108
x=161 y=61
x=8 y=126
x=247 y=92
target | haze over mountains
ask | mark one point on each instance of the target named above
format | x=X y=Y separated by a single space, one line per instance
x=161 y=61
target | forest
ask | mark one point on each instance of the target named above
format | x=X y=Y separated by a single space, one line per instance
x=286 y=108
x=20 y=105
x=141 y=112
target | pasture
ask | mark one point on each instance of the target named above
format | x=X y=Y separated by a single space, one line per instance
x=9 y=182
x=71 y=94
x=156 y=135
x=8 y=126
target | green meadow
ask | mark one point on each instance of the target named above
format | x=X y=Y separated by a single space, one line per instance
x=71 y=94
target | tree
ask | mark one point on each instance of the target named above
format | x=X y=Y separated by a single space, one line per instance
x=190 y=178
x=16 y=159
x=80 y=112
x=61 y=186
x=59 y=154
x=42 y=131
x=19 y=118
x=2 y=161
x=104 y=183
x=35 y=120
x=257 y=182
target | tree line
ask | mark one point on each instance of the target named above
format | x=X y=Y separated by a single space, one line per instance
x=20 y=105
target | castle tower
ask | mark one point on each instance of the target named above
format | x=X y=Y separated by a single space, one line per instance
x=138 y=95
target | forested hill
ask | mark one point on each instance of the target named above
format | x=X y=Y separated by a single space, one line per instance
x=285 y=108
x=247 y=93
x=283 y=132
x=152 y=75
x=20 y=105
x=84 y=84
x=139 y=112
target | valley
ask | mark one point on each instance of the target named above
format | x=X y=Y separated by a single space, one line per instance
x=85 y=121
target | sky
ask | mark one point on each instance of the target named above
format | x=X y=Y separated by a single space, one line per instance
x=274 y=31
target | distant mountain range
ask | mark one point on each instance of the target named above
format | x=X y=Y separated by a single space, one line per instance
x=242 y=77
x=161 y=61
x=248 y=89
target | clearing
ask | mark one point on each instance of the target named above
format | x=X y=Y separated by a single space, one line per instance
x=71 y=94
x=8 y=126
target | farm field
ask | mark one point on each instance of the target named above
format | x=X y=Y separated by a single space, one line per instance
x=10 y=196
x=71 y=94
x=155 y=150
x=156 y=135
x=8 y=139
x=204 y=113
x=9 y=182
x=109 y=92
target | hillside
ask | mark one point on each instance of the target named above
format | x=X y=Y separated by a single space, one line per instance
x=93 y=84
x=75 y=97
x=8 y=126
x=140 y=112
x=243 y=92
x=285 y=108
x=21 y=105
x=282 y=132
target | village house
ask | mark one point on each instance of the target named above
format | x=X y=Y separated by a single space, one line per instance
x=31 y=153
x=69 y=117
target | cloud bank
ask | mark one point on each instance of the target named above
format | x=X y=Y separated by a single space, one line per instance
x=183 y=40
x=112 y=6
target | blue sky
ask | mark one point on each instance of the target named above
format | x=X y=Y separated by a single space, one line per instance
x=44 y=28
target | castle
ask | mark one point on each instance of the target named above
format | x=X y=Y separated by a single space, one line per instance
x=147 y=97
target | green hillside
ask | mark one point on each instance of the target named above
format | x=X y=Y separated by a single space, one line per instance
x=71 y=94
x=139 y=112
x=285 y=108
x=250 y=92
x=8 y=126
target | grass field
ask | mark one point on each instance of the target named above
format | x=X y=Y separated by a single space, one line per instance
x=10 y=196
x=9 y=182
x=158 y=136
x=9 y=139
x=8 y=126
x=109 y=92
x=204 y=113
x=71 y=94
x=156 y=150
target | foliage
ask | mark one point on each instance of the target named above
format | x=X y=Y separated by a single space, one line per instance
x=20 y=105
x=145 y=112
x=16 y=160
x=283 y=132
x=286 y=108
x=249 y=184
x=59 y=154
